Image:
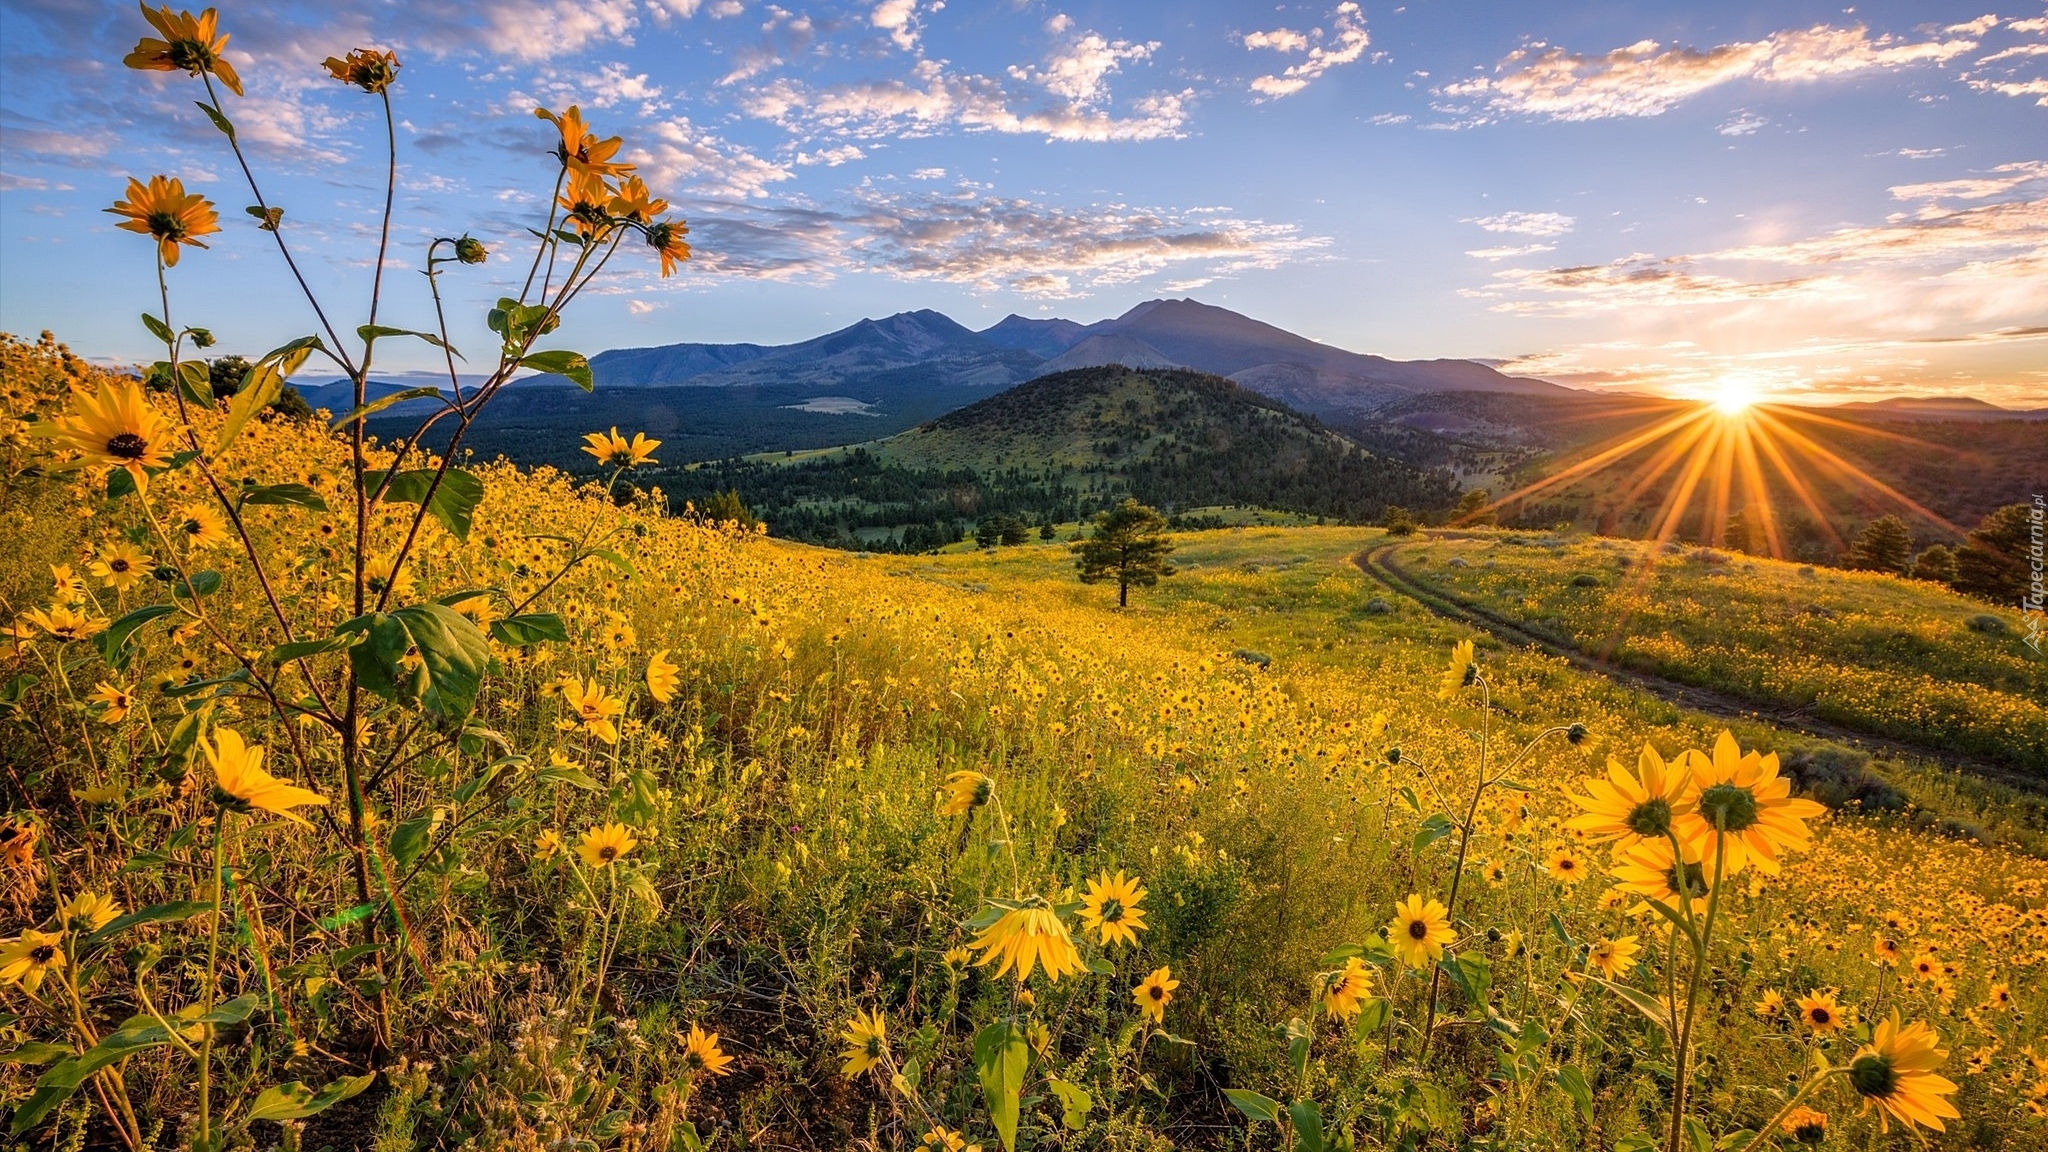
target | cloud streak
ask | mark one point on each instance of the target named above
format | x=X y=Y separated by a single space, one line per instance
x=1347 y=40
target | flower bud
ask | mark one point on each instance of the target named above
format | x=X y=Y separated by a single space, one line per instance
x=470 y=250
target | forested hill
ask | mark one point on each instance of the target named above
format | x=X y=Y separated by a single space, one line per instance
x=1058 y=447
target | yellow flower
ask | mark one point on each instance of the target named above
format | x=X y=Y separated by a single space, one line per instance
x=1154 y=993
x=1895 y=1072
x=702 y=1054
x=1025 y=936
x=366 y=68
x=121 y=565
x=239 y=776
x=1884 y=951
x=1344 y=990
x=634 y=202
x=594 y=710
x=587 y=200
x=27 y=958
x=1110 y=908
x=1612 y=956
x=1419 y=931
x=615 y=451
x=1565 y=865
x=580 y=148
x=944 y=1140
x=958 y=959
x=547 y=846
x=65 y=624
x=163 y=209
x=1459 y=673
x=964 y=791
x=200 y=525
x=115 y=427
x=603 y=846
x=1628 y=808
x=17 y=842
x=1771 y=1004
x=114 y=702
x=662 y=677
x=383 y=578
x=867 y=1043
x=87 y=912
x=1805 y=1125
x=1820 y=1011
x=666 y=238
x=1738 y=801
x=1651 y=869
x=190 y=44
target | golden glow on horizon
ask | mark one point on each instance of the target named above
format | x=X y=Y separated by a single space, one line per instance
x=1734 y=397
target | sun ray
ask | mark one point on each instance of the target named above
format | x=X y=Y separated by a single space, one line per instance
x=1844 y=467
x=1756 y=492
x=1629 y=443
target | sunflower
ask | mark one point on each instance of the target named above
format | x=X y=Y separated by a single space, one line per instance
x=701 y=1053
x=17 y=842
x=605 y=845
x=1460 y=673
x=366 y=68
x=383 y=578
x=120 y=566
x=1344 y=990
x=1613 y=956
x=64 y=623
x=1628 y=808
x=87 y=912
x=958 y=959
x=547 y=846
x=1110 y=908
x=1155 y=992
x=1820 y=1011
x=1419 y=931
x=614 y=451
x=190 y=44
x=945 y=1140
x=587 y=199
x=666 y=238
x=594 y=709
x=1565 y=865
x=1884 y=951
x=164 y=209
x=1652 y=869
x=200 y=525
x=964 y=791
x=580 y=150
x=115 y=427
x=241 y=783
x=867 y=1043
x=662 y=677
x=1895 y=1072
x=114 y=703
x=1738 y=801
x=634 y=202
x=1805 y=1125
x=1024 y=935
x=27 y=958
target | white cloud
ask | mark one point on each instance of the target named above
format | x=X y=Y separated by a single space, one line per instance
x=1637 y=281
x=934 y=99
x=1647 y=79
x=1525 y=223
x=683 y=158
x=783 y=35
x=1509 y=253
x=831 y=157
x=532 y=30
x=928 y=174
x=1279 y=40
x=2003 y=178
x=1348 y=40
x=1076 y=71
x=899 y=19
x=1743 y=123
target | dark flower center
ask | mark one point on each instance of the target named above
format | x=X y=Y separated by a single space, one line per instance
x=607 y=853
x=1417 y=930
x=1112 y=911
x=1651 y=818
x=1729 y=807
x=1687 y=880
x=191 y=55
x=117 y=565
x=168 y=225
x=1872 y=1075
x=1822 y=1016
x=128 y=446
x=1158 y=993
x=41 y=953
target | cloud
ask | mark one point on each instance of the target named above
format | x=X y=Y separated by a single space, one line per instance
x=2004 y=178
x=1076 y=71
x=683 y=158
x=9 y=182
x=1348 y=41
x=831 y=157
x=1637 y=281
x=783 y=35
x=1525 y=223
x=532 y=30
x=899 y=19
x=1932 y=234
x=933 y=99
x=1509 y=253
x=928 y=174
x=1743 y=123
x=1648 y=79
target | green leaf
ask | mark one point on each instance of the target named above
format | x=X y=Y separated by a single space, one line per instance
x=534 y=628
x=157 y=328
x=113 y=643
x=410 y=838
x=1702 y=1140
x=1001 y=1055
x=453 y=502
x=1308 y=1126
x=1254 y=1105
x=219 y=121
x=35 y=1052
x=295 y=1101
x=574 y=365
x=261 y=387
x=452 y=657
x=195 y=383
x=1640 y=1001
x=1433 y=829
x=1574 y=1084
x=300 y=649
x=295 y=495
x=154 y=914
x=371 y=333
x=347 y=917
x=573 y=777
x=197 y=586
x=615 y=560
x=120 y=482
x=383 y=402
x=1472 y=974
x=267 y=218
x=1372 y=1016
x=289 y=357
x=1074 y=1103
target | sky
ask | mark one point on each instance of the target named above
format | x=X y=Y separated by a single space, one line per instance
x=1809 y=202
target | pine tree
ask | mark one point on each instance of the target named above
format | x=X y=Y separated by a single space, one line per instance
x=1472 y=508
x=1884 y=545
x=1398 y=521
x=1937 y=564
x=1129 y=546
x=1991 y=563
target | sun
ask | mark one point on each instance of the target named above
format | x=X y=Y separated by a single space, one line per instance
x=1733 y=398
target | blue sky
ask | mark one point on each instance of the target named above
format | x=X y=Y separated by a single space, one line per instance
x=1805 y=200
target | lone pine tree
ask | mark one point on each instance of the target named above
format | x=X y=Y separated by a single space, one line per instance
x=1129 y=546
